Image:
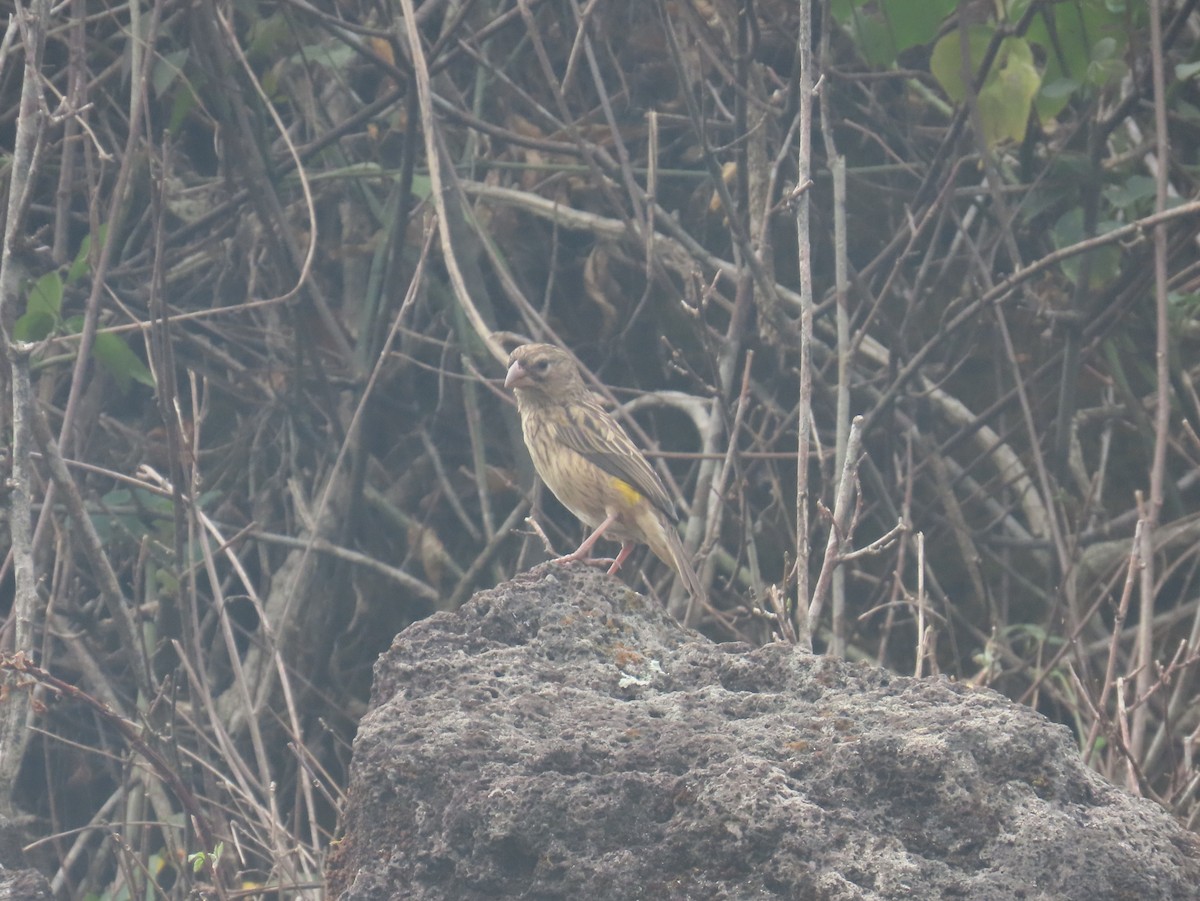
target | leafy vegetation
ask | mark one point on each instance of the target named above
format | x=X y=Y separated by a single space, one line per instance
x=262 y=262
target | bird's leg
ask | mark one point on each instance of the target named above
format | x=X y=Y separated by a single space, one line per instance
x=581 y=553
x=626 y=549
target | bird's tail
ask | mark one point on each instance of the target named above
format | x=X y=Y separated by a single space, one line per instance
x=672 y=553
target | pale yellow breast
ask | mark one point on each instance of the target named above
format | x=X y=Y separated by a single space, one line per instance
x=577 y=483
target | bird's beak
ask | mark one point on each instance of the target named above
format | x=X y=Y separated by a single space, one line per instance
x=516 y=375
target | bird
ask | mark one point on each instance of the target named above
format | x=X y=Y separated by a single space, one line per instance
x=590 y=463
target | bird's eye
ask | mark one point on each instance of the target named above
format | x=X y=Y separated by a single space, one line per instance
x=541 y=366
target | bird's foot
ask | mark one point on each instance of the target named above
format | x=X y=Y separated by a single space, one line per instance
x=584 y=559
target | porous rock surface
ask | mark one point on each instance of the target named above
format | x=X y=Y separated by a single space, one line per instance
x=562 y=737
x=24 y=885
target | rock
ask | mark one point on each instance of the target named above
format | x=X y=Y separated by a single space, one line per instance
x=562 y=737
x=24 y=885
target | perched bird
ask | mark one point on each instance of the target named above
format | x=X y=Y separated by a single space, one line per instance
x=590 y=463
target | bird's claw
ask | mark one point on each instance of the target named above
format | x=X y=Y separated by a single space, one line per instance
x=586 y=561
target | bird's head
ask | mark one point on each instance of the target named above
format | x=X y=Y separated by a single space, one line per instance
x=543 y=372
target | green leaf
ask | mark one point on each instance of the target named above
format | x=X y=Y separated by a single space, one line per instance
x=1027 y=630
x=47 y=294
x=335 y=57
x=82 y=261
x=269 y=36
x=1104 y=50
x=874 y=39
x=1136 y=189
x=122 y=363
x=1186 y=112
x=42 y=309
x=1006 y=99
x=33 y=326
x=1104 y=261
x=946 y=60
x=124 y=513
x=1183 y=307
x=1016 y=9
x=1106 y=71
x=118 y=497
x=1184 y=71
x=167 y=582
x=422 y=187
x=842 y=10
x=1083 y=42
x=167 y=69
x=184 y=103
x=916 y=22
x=109 y=524
x=883 y=29
x=1060 y=88
x=1006 y=96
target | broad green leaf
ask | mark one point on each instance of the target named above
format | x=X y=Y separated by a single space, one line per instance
x=1183 y=307
x=1060 y=89
x=946 y=60
x=1082 y=42
x=874 y=39
x=46 y=295
x=1105 y=261
x=1106 y=71
x=82 y=261
x=114 y=355
x=1184 y=71
x=109 y=523
x=167 y=582
x=885 y=28
x=916 y=22
x=1186 y=112
x=269 y=35
x=842 y=10
x=336 y=57
x=122 y=363
x=42 y=309
x=33 y=326
x=1028 y=630
x=1006 y=99
x=1136 y=189
x=1006 y=96
x=421 y=186
x=182 y=104
x=167 y=68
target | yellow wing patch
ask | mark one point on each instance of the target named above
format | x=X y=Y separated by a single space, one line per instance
x=630 y=495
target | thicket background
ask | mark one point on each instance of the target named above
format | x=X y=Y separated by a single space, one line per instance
x=262 y=260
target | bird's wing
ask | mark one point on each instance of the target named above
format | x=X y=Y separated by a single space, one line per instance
x=591 y=432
